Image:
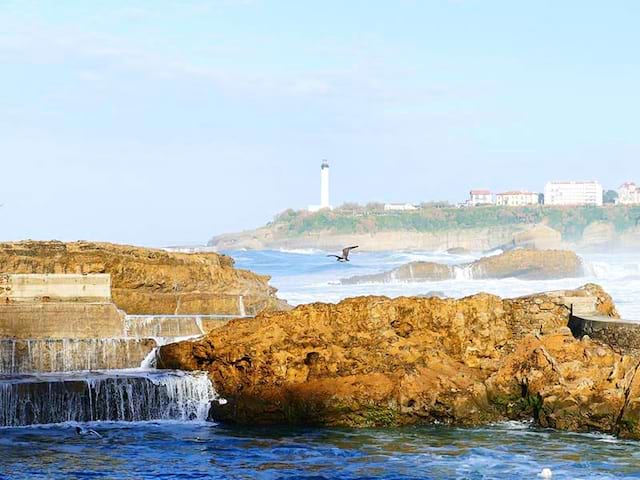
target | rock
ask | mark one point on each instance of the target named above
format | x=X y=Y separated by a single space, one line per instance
x=413 y=271
x=529 y=264
x=375 y=361
x=457 y=251
x=564 y=383
x=521 y=263
x=432 y=293
x=538 y=237
x=153 y=281
x=598 y=235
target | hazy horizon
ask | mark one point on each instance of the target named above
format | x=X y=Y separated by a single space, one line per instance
x=158 y=123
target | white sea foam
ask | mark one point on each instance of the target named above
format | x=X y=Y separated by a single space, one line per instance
x=312 y=278
x=300 y=251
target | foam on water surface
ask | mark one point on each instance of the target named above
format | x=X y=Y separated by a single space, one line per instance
x=309 y=278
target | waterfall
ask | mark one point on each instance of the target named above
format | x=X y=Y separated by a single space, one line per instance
x=150 y=361
x=241 y=309
x=63 y=355
x=44 y=381
x=105 y=396
x=150 y=326
x=463 y=272
x=199 y=324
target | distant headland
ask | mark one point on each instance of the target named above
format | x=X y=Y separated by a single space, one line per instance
x=440 y=226
x=571 y=214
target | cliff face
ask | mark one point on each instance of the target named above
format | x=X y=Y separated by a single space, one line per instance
x=374 y=361
x=521 y=263
x=431 y=228
x=275 y=237
x=147 y=280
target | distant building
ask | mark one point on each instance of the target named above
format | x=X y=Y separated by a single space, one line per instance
x=629 y=194
x=324 y=189
x=573 y=193
x=517 y=198
x=399 y=207
x=480 y=197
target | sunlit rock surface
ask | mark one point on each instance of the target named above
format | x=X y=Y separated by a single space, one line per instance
x=148 y=280
x=375 y=361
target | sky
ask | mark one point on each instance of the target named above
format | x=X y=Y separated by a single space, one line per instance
x=167 y=122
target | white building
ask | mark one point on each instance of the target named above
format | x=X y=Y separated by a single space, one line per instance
x=517 y=198
x=324 y=189
x=629 y=194
x=480 y=197
x=573 y=193
x=399 y=207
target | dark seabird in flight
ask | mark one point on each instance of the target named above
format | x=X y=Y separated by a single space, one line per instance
x=87 y=431
x=345 y=254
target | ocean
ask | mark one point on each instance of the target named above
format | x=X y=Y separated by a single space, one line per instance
x=192 y=448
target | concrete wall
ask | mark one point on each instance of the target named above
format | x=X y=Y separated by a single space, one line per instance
x=623 y=336
x=55 y=287
x=60 y=320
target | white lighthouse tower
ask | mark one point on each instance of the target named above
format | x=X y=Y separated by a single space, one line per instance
x=324 y=185
x=324 y=188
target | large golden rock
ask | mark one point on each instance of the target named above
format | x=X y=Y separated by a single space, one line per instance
x=375 y=361
x=146 y=280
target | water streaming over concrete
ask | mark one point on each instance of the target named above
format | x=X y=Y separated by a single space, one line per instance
x=64 y=355
x=53 y=380
x=104 y=396
x=149 y=326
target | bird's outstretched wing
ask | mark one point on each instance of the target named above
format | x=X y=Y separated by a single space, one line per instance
x=337 y=256
x=345 y=251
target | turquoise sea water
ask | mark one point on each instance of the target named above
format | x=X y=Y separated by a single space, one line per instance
x=196 y=449
x=206 y=450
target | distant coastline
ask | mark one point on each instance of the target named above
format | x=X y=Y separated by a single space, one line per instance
x=438 y=227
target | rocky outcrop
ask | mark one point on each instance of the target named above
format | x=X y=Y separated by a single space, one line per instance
x=148 y=280
x=375 y=361
x=541 y=237
x=529 y=265
x=598 y=235
x=521 y=263
x=410 y=272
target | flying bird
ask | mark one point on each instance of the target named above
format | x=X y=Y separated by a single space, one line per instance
x=345 y=254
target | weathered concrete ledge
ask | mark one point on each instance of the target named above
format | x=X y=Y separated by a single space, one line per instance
x=54 y=287
x=61 y=320
x=621 y=335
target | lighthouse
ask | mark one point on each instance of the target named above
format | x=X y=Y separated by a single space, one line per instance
x=324 y=185
x=324 y=188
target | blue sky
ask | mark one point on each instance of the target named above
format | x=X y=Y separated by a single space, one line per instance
x=162 y=122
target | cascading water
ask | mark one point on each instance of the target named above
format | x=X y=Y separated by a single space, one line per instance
x=64 y=355
x=241 y=310
x=463 y=272
x=151 y=326
x=104 y=396
x=46 y=381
